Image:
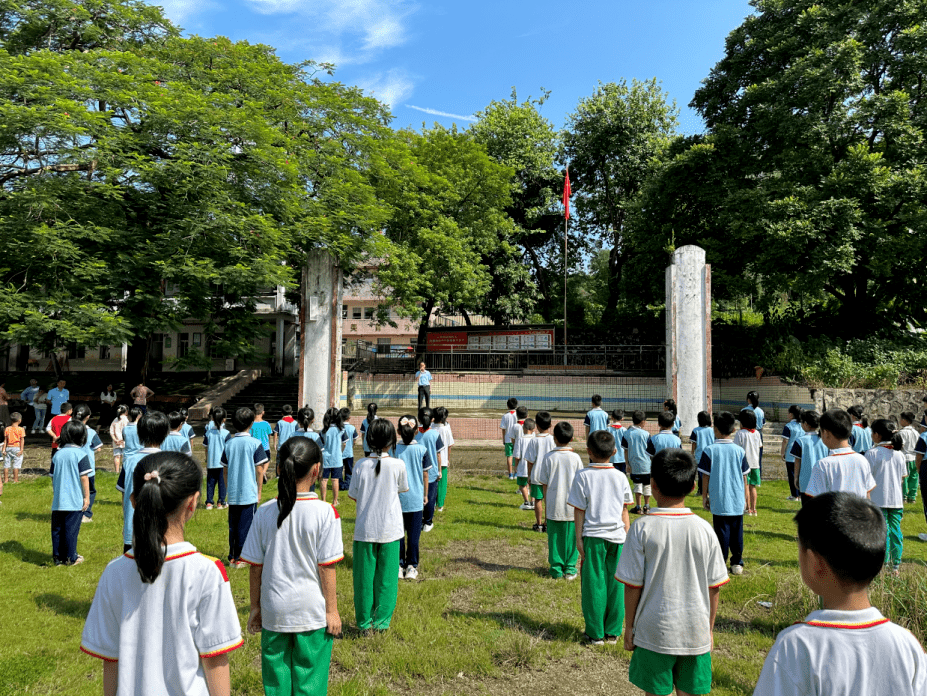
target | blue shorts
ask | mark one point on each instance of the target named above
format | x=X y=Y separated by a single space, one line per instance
x=117 y=451
x=332 y=473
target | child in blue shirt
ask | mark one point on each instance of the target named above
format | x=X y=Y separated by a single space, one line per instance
x=808 y=450
x=333 y=440
x=724 y=468
x=91 y=445
x=430 y=437
x=153 y=428
x=284 y=428
x=665 y=439
x=176 y=441
x=347 y=455
x=596 y=419
x=635 y=441
x=244 y=458
x=71 y=473
x=701 y=437
x=861 y=435
x=670 y=405
x=617 y=430
x=262 y=431
x=365 y=426
x=130 y=433
x=186 y=429
x=790 y=434
x=214 y=441
x=418 y=469
x=753 y=404
x=305 y=417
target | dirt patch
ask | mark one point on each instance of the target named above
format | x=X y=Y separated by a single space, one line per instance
x=490 y=557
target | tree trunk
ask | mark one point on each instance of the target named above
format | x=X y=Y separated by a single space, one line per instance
x=137 y=361
x=539 y=273
x=615 y=264
x=423 y=327
x=466 y=317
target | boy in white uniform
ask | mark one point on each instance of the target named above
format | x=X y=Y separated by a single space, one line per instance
x=843 y=469
x=507 y=419
x=555 y=473
x=909 y=438
x=518 y=460
x=750 y=439
x=600 y=497
x=847 y=647
x=672 y=569
x=540 y=445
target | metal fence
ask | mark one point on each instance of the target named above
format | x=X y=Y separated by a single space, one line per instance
x=641 y=360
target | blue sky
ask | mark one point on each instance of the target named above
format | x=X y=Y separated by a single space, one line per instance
x=442 y=61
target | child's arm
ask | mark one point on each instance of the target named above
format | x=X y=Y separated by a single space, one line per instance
x=785 y=444
x=705 y=479
x=332 y=618
x=110 y=677
x=632 y=597
x=216 y=670
x=579 y=518
x=713 y=594
x=85 y=485
x=918 y=458
x=254 y=581
x=425 y=481
x=626 y=518
x=693 y=448
x=797 y=469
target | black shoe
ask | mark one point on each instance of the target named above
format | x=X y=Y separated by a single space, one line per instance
x=636 y=510
x=544 y=528
x=536 y=528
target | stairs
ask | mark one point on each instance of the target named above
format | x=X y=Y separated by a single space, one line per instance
x=273 y=392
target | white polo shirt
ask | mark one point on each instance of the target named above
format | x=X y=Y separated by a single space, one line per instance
x=844 y=653
x=841 y=470
x=602 y=492
x=536 y=451
x=291 y=589
x=159 y=632
x=379 y=512
x=557 y=471
x=889 y=467
x=521 y=447
x=514 y=431
x=504 y=425
x=751 y=441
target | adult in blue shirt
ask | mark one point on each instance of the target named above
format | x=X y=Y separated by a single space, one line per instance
x=423 y=377
x=28 y=396
x=58 y=396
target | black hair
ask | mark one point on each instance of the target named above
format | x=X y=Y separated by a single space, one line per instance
x=258 y=409
x=287 y=411
x=673 y=470
x=121 y=410
x=371 y=411
x=855 y=411
x=295 y=460
x=521 y=412
x=887 y=432
x=704 y=419
x=905 y=415
x=185 y=413
x=666 y=420
x=66 y=407
x=345 y=413
x=542 y=418
x=176 y=419
x=156 y=499
x=424 y=417
x=601 y=445
x=135 y=413
x=441 y=415
x=242 y=418
x=332 y=417
x=81 y=413
x=638 y=417
x=753 y=397
x=305 y=416
x=670 y=405
x=724 y=422
x=847 y=531
x=529 y=424
x=617 y=414
x=795 y=411
x=563 y=432
x=864 y=421
x=381 y=436
x=747 y=419
x=512 y=402
x=811 y=418
x=153 y=427
x=409 y=431
x=73 y=433
x=596 y=400
x=218 y=415
x=838 y=423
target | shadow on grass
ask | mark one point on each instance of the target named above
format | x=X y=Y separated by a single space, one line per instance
x=514 y=619
x=720 y=678
x=32 y=556
x=486 y=523
x=64 y=606
x=498 y=567
x=738 y=626
x=757 y=563
x=34 y=516
x=485 y=490
x=772 y=535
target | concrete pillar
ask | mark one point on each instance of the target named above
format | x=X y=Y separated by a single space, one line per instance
x=281 y=338
x=289 y=350
x=688 y=335
x=320 y=337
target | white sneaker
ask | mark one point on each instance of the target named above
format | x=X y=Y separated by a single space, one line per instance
x=791 y=498
x=922 y=536
x=737 y=570
x=526 y=506
x=570 y=577
x=402 y=572
x=427 y=527
x=411 y=573
x=86 y=519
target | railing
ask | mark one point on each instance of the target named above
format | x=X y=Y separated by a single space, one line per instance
x=629 y=359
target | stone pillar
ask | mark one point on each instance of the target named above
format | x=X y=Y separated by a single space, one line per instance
x=688 y=335
x=320 y=337
x=289 y=351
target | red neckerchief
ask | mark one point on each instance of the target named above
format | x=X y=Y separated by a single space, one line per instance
x=751 y=430
x=288 y=419
x=521 y=422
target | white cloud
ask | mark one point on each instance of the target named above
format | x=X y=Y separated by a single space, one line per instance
x=180 y=10
x=392 y=87
x=435 y=112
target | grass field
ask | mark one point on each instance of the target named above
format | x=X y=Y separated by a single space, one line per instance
x=482 y=618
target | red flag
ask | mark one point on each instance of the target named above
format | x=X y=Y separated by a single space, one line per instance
x=566 y=195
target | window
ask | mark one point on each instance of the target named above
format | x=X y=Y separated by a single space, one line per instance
x=355 y=312
x=183 y=344
x=76 y=351
x=344 y=311
x=383 y=345
x=368 y=312
x=197 y=339
x=104 y=352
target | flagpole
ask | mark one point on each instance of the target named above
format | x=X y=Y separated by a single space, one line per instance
x=566 y=231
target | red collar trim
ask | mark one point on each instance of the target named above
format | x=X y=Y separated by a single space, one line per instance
x=128 y=554
x=615 y=425
x=669 y=514
x=840 y=624
x=751 y=430
x=289 y=419
x=857 y=425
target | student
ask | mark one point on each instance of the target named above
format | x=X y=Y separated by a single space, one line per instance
x=333 y=440
x=753 y=404
x=635 y=442
x=186 y=429
x=922 y=426
x=418 y=468
x=82 y=414
x=672 y=570
x=293 y=547
x=920 y=450
x=176 y=441
x=616 y=430
x=116 y=429
x=55 y=425
x=842 y=469
x=518 y=456
x=214 y=440
x=347 y=454
x=515 y=432
x=244 y=460
x=262 y=431
x=600 y=496
x=749 y=438
x=284 y=428
x=809 y=449
x=163 y=593
x=505 y=424
x=889 y=469
x=423 y=380
x=670 y=405
x=665 y=438
x=14 y=445
x=305 y=417
x=596 y=419
x=537 y=449
x=790 y=434
x=130 y=433
x=153 y=428
x=430 y=437
x=724 y=470
x=860 y=436
x=365 y=425
x=701 y=437
x=71 y=472
x=377 y=482
x=909 y=437
x=847 y=646
x=555 y=472
x=447 y=439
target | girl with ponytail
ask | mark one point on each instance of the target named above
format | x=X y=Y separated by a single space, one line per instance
x=418 y=467
x=163 y=592
x=292 y=549
x=368 y=421
x=214 y=440
x=92 y=443
x=861 y=436
x=334 y=438
x=790 y=433
x=889 y=468
x=376 y=484
x=306 y=417
x=115 y=433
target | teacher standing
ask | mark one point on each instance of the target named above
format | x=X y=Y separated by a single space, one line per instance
x=424 y=386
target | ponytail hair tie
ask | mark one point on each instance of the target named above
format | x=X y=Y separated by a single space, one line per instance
x=405 y=421
x=153 y=476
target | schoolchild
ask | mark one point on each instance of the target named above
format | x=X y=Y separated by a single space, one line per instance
x=418 y=469
x=116 y=429
x=305 y=417
x=537 y=449
x=214 y=441
x=334 y=439
x=518 y=457
x=701 y=437
x=153 y=428
x=724 y=470
x=508 y=444
x=861 y=435
x=176 y=441
x=186 y=429
x=55 y=425
x=600 y=497
x=130 y=433
x=749 y=438
x=616 y=430
x=922 y=426
x=670 y=405
x=14 y=447
x=847 y=646
x=92 y=443
x=515 y=433
x=163 y=592
x=244 y=459
x=447 y=439
x=889 y=468
x=665 y=438
x=596 y=419
x=672 y=570
x=909 y=436
x=842 y=469
x=753 y=404
x=71 y=472
x=430 y=437
x=790 y=434
x=347 y=454
x=365 y=425
x=377 y=482
x=262 y=431
x=635 y=443
x=284 y=428
x=920 y=463
x=808 y=449
x=555 y=472
x=293 y=547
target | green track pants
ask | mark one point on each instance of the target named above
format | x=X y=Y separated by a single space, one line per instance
x=376 y=583
x=602 y=594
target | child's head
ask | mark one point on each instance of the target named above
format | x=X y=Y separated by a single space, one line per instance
x=345 y=414
x=16 y=417
x=381 y=437
x=884 y=430
x=724 y=424
x=616 y=416
x=408 y=429
x=529 y=425
x=299 y=458
x=218 y=416
x=73 y=433
x=305 y=417
x=242 y=419
x=596 y=400
x=747 y=419
x=81 y=413
x=795 y=412
x=843 y=533
x=670 y=405
x=666 y=420
x=332 y=418
x=753 y=398
x=66 y=408
x=810 y=421
x=259 y=410
x=185 y=413
x=672 y=473
x=287 y=411
x=704 y=419
x=153 y=427
x=425 y=417
x=134 y=413
x=906 y=417
x=563 y=433
x=371 y=411
x=441 y=415
x=175 y=419
x=512 y=403
x=837 y=424
x=600 y=446
x=543 y=420
x=638 y=417
x=165 y=488
x=121 y=410
x=521 y=413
